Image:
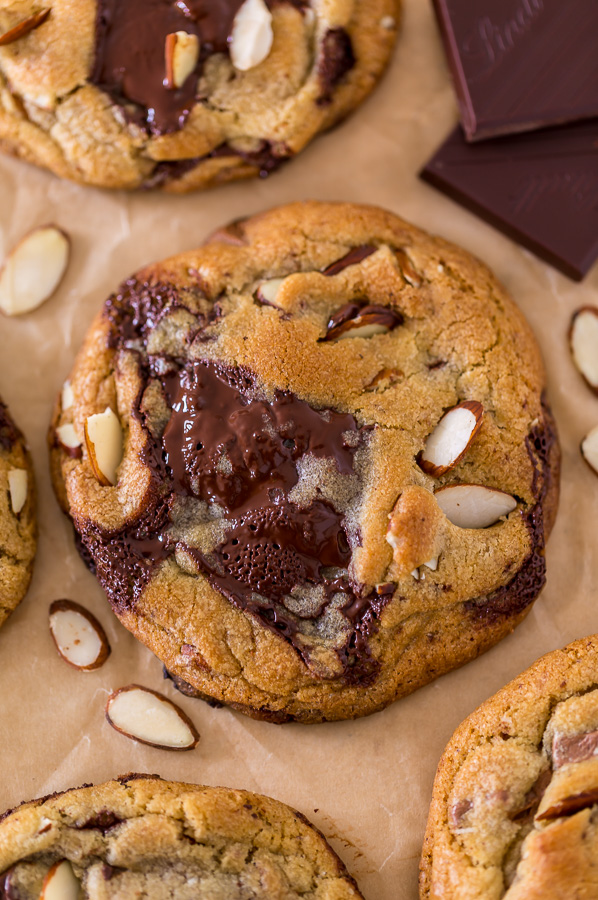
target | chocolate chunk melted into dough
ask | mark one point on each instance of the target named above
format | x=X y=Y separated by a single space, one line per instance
x=130 y=53
x=227 y=446
x=130 y=60
x=511 y=599
x=213 y=420
x=285 y=552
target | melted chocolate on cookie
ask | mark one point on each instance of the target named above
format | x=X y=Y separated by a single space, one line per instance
x=522 y=590
x=227 y=446
x=130 y=55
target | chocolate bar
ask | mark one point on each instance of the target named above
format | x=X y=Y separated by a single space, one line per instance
x=519 y=65
x=539 y=188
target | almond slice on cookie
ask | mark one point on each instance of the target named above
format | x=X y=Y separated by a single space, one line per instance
x=474 y=505
x=451 y=438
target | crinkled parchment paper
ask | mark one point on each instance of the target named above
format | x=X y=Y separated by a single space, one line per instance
x=367 y=783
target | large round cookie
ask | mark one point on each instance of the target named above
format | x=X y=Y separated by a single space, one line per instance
x=270 y=527
x=89 y=92
x=515 y=801
x=139 y=836
x=17 y=516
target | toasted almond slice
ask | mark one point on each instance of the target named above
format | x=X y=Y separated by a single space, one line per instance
x=451 y=438
x=267 y=292
x=68 y=438
x=60 y=882
x=583 y=340
x=79 y=637
x=33 y=270
x=24 y=27
x=144 y=715
x=252 y=35
x=104 y=442
x=18 y=480
x=67 y=396
x=352 y=321
x=474 y=505
x=589 y=449
x=181 y=53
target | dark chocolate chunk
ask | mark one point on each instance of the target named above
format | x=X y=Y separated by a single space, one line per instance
x=570 y=805
x=540 y=189
x=458 y=811
x=521 y=64
x=573 y=748
x=337 y=59
x=526 y=812
x=104 y=820
x=266 y=159
x=354 y=256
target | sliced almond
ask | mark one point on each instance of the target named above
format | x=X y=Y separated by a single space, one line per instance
x=23 y=28
x=449 y=441
x=60 y=883
x=18 y=480
x=67 y=396
x=252 y=35
x=181 y=53
x=352 y=321
x=267 y=292
x=104 y=442
x=79 y=637
x=144 y=715
x=583 y=339
x=432 y=564
x=589 y=449
x=474 y=505
x=69 y=440
x=33 y=270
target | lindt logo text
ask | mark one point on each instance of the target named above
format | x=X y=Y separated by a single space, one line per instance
x=491 y=41
x=582 y=188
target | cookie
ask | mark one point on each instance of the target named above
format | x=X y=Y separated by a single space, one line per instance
x=139 y=836
x=18 y=527
x=515 y=799
x=255 y=495
x=182 y=96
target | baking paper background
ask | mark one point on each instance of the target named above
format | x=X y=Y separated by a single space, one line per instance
x=366 y=784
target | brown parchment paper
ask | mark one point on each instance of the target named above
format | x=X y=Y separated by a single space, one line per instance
x=367 y=783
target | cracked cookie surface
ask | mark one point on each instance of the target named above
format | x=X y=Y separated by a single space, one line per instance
x=515 y=800
x=141 y=836
x=18 y=527
x=269 y=532
x=85 y=92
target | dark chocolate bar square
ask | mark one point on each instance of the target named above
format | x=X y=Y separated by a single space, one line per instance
x=521 y=64
x=539 y=188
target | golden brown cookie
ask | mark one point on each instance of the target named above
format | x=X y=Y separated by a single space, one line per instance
x=515 y=800
x=180 y=96
x=139 y=836
x=18 y=527
x=257 y=490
